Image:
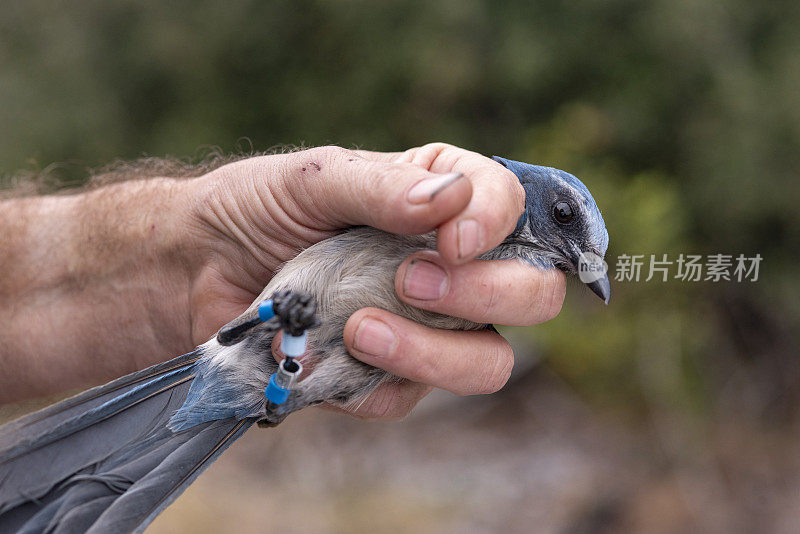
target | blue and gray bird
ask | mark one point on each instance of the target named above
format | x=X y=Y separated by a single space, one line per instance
x=113 y=457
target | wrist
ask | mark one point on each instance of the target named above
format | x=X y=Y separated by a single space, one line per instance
x=132 y=250
x=123 y=229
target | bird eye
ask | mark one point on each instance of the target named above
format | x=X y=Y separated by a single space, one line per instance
x=563 y=212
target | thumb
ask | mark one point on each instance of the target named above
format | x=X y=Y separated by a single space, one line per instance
x=339 y=188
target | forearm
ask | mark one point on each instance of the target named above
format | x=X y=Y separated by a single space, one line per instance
x=92 y=285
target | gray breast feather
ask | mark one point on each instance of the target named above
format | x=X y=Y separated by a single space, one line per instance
x=354 y=270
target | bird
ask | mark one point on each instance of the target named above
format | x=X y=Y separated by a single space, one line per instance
x=112 y=458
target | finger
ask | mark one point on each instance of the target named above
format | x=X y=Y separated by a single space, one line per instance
x=493 y=211
x=465 y=363
x=388 y=402
x=495 y=206
x=339 y=188
x=485 y=291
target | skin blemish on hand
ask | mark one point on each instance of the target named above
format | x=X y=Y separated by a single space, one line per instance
x=317 y=167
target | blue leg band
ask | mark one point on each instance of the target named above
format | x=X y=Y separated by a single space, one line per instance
x=265 y=311
x=274 y=393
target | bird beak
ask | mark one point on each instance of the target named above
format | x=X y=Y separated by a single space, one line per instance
x=602 y=288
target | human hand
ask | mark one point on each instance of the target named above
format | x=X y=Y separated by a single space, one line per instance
x=249 y=217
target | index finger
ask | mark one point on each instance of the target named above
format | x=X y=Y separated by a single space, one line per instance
x=495 y=206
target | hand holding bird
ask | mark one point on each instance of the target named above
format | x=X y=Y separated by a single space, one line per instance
x=113 y=457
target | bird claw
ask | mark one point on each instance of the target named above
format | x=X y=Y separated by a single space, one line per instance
x=271 y=419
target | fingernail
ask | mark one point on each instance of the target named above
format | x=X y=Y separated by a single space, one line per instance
x=424 y=280
x=427 y=189
x=374 y=337
x=469 y=239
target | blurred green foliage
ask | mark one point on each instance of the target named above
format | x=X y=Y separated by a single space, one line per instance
x=682 y=117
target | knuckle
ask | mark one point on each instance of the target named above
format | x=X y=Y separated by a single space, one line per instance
x=517 y=192
x=554 y=289
x=429 y=371
x=548 y=296
x=384 y=406
x=427 y=154
x=488 y=293
x=504 y=205
x=437 y=146
x=498 y=371
x=493 y=218
x=511 y=188
x=394 y=413
x=498 y=221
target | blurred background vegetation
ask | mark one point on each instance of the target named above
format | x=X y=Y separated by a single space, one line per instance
x=674 y=409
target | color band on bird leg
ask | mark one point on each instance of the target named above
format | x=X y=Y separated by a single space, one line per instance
x=281 y=383
x=294 y=313
x=266 y=311
x=233 y=333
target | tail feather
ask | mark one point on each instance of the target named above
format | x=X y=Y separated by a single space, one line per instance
x=105 y=461
x=148 y=496
x=51 y=448
x=42 y=421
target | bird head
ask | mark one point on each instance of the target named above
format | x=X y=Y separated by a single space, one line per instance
x=561 y=226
